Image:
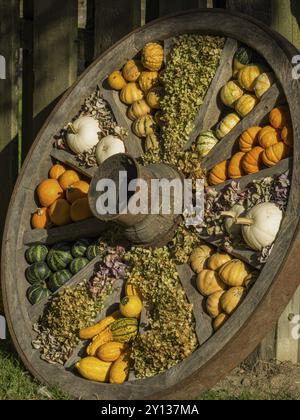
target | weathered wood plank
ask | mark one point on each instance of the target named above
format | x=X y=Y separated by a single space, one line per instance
x=9 y=96
x=91 y=227
x=211 y=109
x=113 y=20
x=204 y=328
x=69 y=159
x=226 y=147
x=50 y=66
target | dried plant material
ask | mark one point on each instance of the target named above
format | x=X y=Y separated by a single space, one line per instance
x=172 y=336
x=184 y=242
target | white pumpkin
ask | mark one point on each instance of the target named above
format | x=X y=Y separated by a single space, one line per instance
x=205 y=142
x=109 y=146
x=82 y=134
x=261 y=225
x=231 y=227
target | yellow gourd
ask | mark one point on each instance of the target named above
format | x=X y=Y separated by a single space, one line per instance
x=230 y=93
x=147 y=80
x=227 y=124
x=131 y=93
x=132 y=70
x=209 y=282
x=245 y=105
x=131 y=306
x=116 y=81
x=94 y=369
x=92 y=331
x=199 y=257
x=132 y=290
x=213 y=305
x=98 y=341
x=154 y=97
x=263 y=84
x=138 y=109
x=220 y=321
x=110 y=352
x=232 y=299
x=234 y=273
x=247 y=76
x=119 y=371
x=216 y=261
x=144 y=126
x=153 y=56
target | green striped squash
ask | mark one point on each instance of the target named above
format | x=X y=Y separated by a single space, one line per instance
x=57 y=280
x=37 y=272
x=92 y=252
x=80 y=247
x=59 y=259
x=36 y=253
x=124 y=330
x=242 y=58
x=37 y=293
x=78 y=264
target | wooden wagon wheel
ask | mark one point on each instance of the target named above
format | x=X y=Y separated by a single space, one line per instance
x=218 y=353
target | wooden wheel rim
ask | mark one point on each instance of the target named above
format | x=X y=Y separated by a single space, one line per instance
x=264 y=304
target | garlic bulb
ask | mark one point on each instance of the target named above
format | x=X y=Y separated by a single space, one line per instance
x=109 y=146
x=83 y=134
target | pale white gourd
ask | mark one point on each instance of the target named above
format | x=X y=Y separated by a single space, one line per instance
x=109 y=146
x=205 y=143
x=261 y=225
x=82 y=134
x=230 y=225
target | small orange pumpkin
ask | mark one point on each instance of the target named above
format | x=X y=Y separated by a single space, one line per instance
x=80 y=210
x=40 y=219
x=219 y=173
x=272 y=155
x=59 y=213
x=76 y=191
x=68 y=178
x=49 y=191
x=249 y=139
x=268 y=136
x=235 y=167
x=287 y=135
x=280 y=117
x=252 y=160
x=56 y=171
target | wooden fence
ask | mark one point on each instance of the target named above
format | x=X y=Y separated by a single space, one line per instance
x=46 y=45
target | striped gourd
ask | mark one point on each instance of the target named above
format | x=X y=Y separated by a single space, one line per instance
x=92 y=252
x=37 y=272
x=36 y=253
x=80 y=247
x=59 y=259
x=58 y=279
x=124 y=330
x=144 y=126
x=78 y=264
x=38 y=292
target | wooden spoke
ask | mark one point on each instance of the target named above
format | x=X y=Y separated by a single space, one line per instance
x=277 y=170
x=168 y=45
x=111 y=305
x=133 y=144
x=85 y=274
x=204 y=328
x=228 y=145
x=242 y=253
x=88 y=228
x=210 y=112
x=69 y=159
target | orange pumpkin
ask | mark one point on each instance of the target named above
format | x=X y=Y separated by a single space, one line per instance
x=40 y=219
x=268 y=136
x=249 y=139
x=68 y=178
x=280 y=117
x=235 y=167
x=59 y=213
x=76 y=191
x=56 y=171
x=49 y=191
x=272 y=155
x=252 y=160
x=218 y=174
x=80 y=210
x=287 y=135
